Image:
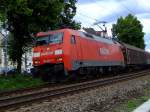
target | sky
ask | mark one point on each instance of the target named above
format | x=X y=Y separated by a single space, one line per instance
x=91 y=11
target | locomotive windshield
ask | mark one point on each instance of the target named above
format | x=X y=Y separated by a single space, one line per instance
x=49 y=39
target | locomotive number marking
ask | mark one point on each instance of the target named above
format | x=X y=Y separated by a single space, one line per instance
x=46 y=53
x=104 y=51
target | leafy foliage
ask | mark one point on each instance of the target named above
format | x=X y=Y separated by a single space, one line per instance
x=67 y=15
x=129 y=30
x=27 y=17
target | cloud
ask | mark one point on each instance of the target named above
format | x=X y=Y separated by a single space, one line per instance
x=90 y=11
x=147 y=42
x=84 y=1
x=144 y=15
x=146 y=24
x=111 y=10
x=128 y=6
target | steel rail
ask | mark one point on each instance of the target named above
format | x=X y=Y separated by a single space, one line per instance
x=68 y=89
x=23 y=90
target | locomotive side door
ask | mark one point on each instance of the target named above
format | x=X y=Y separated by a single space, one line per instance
x=79 y=48
x=73 y=51
x=76 y=52
x=79 y=44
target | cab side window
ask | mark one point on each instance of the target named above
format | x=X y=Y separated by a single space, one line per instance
x=73 y=41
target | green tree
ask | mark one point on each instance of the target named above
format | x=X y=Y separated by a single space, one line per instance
x=27 y=17
x=129 y=30
x=69 y=11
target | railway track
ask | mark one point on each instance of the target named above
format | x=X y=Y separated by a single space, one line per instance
x=24 y=91
x=18 y=100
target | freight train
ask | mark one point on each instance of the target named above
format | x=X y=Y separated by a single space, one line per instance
x=70 y=53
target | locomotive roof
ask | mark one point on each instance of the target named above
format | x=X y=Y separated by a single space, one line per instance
x=97 y=38
x=81 y=34
x=91 y=36
x=133 y=47
x=49 y=32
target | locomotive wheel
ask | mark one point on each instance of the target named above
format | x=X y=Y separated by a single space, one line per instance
x=61 y=76
x=44 y=77
x=52 y=77
x=35 y=73
x=45 y=73
x=74 y=76
x=68 y=76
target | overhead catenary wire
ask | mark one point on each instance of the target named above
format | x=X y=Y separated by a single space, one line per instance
x=130 y=11
x=95 y=2
x=95 y=20
x=90 y=25
x=87 y=17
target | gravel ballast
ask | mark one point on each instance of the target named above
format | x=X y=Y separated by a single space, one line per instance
x=100 y=99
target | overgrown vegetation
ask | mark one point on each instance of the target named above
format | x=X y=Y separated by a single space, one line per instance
x=18 y=81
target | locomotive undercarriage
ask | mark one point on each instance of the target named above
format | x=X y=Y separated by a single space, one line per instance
x=50 y=72
x=57 y=73
x=99 y=71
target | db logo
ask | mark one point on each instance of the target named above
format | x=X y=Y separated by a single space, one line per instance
x=104 y=51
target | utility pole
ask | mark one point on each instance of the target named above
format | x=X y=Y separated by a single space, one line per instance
x=25 y=61
x=5 y=52
x=5 y=42
x=5 y=55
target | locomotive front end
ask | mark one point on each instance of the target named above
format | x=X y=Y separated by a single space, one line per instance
x=48 y=49
x=48 y=54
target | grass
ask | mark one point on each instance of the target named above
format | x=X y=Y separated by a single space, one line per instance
x=18 y=81
x=130 y=105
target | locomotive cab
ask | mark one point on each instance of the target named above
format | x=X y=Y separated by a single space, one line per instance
x=48 y=53
x=48 y=49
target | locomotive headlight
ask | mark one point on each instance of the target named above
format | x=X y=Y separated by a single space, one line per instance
x=36 y=54
x=59 y=51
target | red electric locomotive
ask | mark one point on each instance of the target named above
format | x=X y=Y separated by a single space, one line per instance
x=60 y=53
